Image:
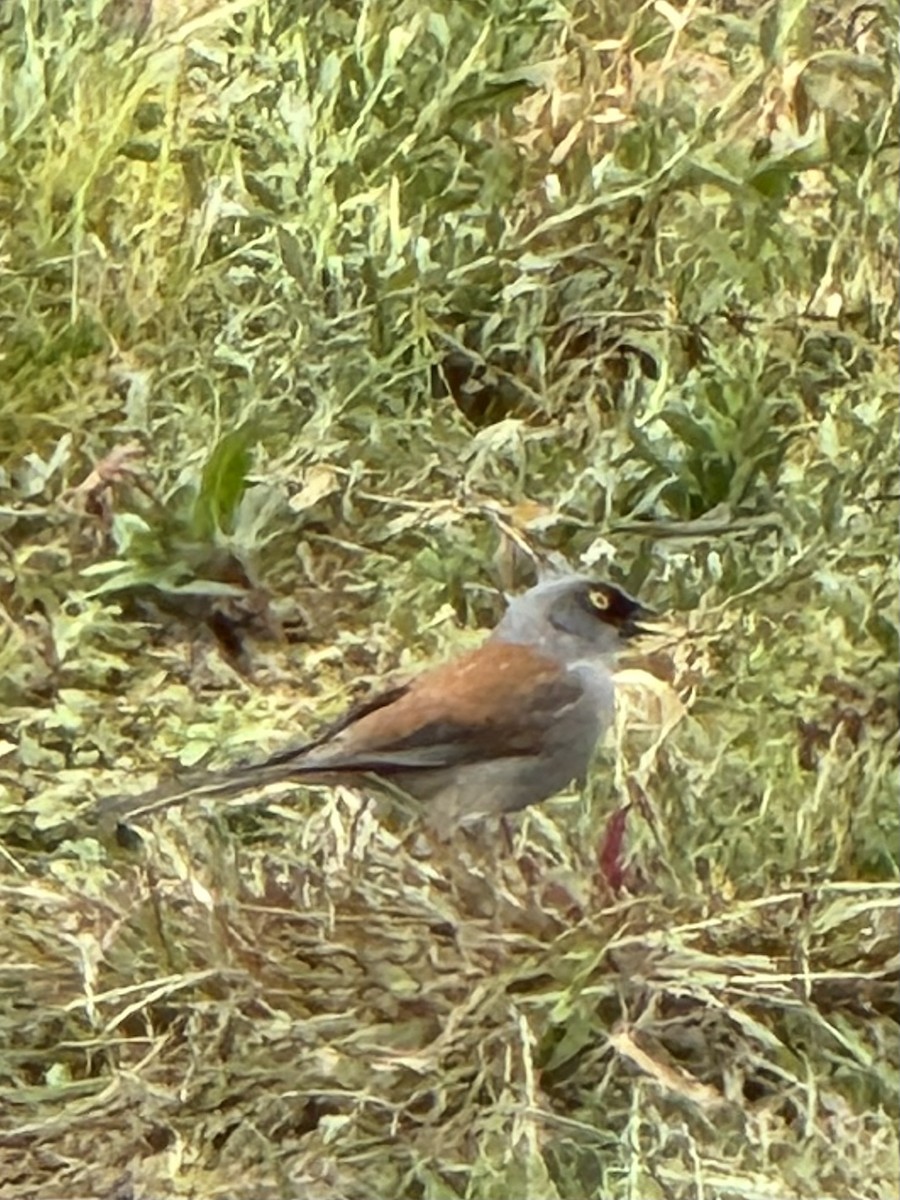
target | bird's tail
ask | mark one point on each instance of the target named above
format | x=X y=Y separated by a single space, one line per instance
x=203 y=785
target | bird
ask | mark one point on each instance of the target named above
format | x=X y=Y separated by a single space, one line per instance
x=503 y=726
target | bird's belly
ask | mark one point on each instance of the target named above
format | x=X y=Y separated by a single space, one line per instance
x=489 y=788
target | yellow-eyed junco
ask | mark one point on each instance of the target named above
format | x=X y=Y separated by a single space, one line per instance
x=501 y=727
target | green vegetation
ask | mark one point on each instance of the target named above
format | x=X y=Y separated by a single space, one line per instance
x=318 y=323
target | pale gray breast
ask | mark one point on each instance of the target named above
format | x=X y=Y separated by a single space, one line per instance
x=571 y=740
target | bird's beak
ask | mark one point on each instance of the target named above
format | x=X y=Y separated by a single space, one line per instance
x=641 y=622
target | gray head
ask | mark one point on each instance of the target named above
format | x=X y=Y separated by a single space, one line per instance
x=573 y=618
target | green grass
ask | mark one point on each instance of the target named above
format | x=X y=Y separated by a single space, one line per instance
x=317 y=326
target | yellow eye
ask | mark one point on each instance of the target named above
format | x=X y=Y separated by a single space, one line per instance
x=600 y=601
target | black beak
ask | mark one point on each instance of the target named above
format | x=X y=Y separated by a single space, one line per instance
x=632 y=627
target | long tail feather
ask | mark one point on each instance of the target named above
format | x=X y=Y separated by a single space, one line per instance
x=201 y=786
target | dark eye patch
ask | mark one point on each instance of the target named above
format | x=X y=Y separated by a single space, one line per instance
x=609 y=603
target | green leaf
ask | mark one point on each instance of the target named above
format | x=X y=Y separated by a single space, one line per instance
x=223 y=484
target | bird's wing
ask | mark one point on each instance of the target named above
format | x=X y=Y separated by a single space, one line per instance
x=498 y=701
